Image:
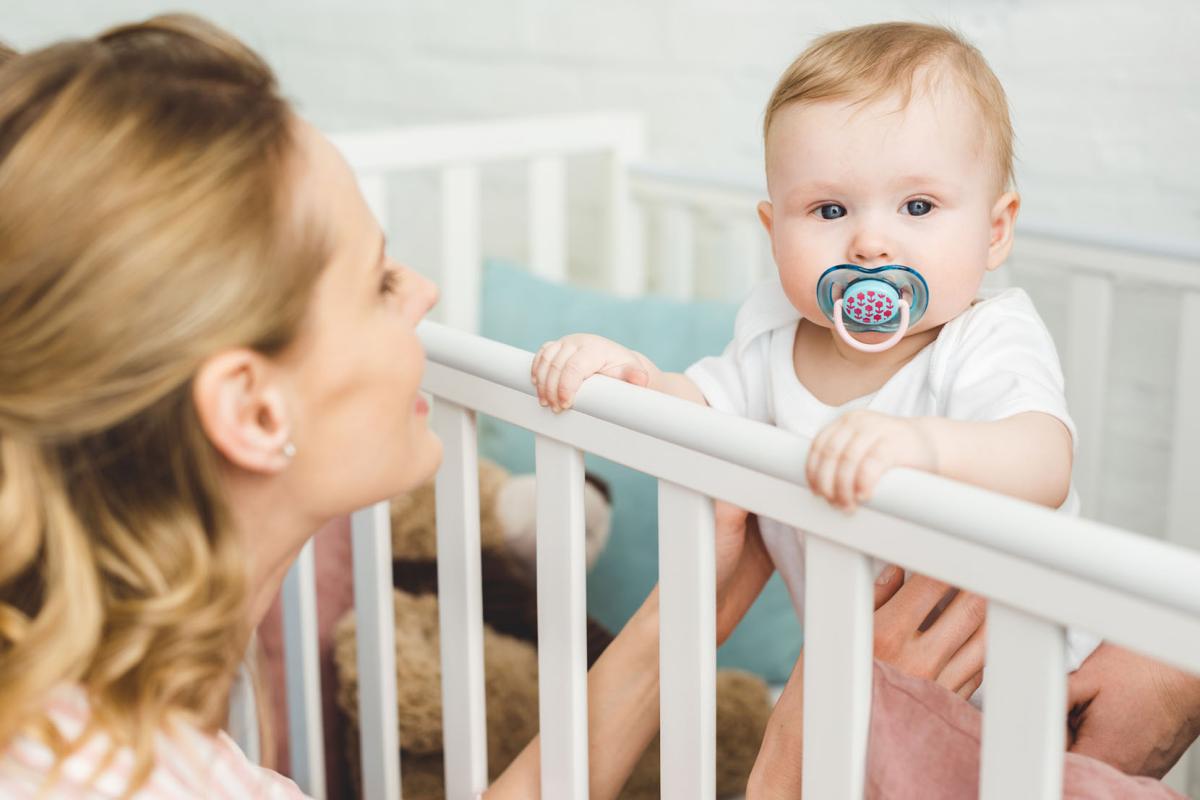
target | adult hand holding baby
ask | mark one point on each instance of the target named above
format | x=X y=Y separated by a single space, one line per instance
x=948 y=651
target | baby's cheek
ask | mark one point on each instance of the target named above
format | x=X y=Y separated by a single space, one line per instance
x=948 y=299
x=800 y=286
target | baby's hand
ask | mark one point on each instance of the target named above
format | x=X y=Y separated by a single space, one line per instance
x=848 y=457
x=560 y=367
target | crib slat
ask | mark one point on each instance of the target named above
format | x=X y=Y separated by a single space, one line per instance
x=1024 y=707
x=562 y=614
x=303 y=675
x=838 y=643
x=548 y=217
x=461 y=246
x=687 y=642
x=741 y=256
x=460 y=600
x=243 y=724
x=1086 y=371
x=1185 y=466
x=1185 y=451
x=676 y=250
x=374 y=611
x=626 y=268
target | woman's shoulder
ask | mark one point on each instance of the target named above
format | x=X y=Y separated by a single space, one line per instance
x=188 y=764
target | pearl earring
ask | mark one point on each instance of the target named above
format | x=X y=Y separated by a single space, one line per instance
x=289 y=450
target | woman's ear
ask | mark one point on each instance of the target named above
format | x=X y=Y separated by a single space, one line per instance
x=1003 y=221
x=241 y=407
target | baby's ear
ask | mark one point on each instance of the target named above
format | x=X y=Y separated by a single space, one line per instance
x=766 y=215
x=1003 y=220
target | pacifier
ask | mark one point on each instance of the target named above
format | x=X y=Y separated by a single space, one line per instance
x=883 y=299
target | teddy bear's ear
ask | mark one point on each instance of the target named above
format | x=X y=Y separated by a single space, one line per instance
x=516 y=517
x=414 y=516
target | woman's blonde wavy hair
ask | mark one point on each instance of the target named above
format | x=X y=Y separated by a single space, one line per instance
x=146 y=223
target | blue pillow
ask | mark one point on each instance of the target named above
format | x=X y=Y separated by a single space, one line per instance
x=524 y=311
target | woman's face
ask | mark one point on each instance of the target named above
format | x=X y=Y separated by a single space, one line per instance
x=359 y=426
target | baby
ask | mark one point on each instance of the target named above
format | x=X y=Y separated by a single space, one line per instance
x=889 y=171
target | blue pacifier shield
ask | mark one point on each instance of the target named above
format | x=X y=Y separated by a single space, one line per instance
x=871 y=297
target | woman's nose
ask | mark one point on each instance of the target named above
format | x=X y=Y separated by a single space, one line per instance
x=426 y=292
x=432 y=294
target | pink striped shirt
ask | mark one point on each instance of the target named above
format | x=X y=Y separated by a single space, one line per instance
x=189 y=764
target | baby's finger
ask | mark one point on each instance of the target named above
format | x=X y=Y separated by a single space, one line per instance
x=544 y=389
x=572 y=366
x=537 y=360
x=573 y=372
x=850 y=468
x=870 y=470
x=554 y=374
x=831 y=459
x=541 y=363
x=816 y=453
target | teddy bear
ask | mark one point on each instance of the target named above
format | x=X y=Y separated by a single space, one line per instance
x=507 y=522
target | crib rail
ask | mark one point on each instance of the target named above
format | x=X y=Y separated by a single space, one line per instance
x=1041 y=572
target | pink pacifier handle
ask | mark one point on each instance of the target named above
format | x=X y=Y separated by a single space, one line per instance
x=878 y=347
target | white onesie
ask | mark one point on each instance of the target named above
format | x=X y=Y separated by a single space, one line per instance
x=993 y=361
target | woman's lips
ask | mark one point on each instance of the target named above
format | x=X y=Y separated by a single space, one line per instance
x=420 y=406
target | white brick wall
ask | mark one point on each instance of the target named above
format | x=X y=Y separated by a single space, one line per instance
x=1105 y=97
x=1105 y=94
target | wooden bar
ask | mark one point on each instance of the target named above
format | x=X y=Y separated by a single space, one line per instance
x=687 y=642
x=461 y=247
x=375 y=620
x=676 y=258
x=548 y=217
x=562 y=620
x=460 y=602
x=839 y=604
x=1024 y=707
x=1085 y=367
x=303 y=675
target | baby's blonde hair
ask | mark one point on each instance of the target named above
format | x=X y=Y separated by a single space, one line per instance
x=147 y=221
x=873 y=61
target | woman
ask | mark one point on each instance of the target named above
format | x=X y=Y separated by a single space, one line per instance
x=198 y=319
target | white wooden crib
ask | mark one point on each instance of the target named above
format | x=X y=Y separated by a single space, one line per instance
x=686 y=237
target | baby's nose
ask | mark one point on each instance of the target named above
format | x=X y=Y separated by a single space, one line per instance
x=870 y=247
x=870 y=255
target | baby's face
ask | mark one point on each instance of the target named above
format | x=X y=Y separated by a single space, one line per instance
x=873 y=185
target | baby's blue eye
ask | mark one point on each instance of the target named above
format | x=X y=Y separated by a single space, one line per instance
x=918 y=208
x=832 y=211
